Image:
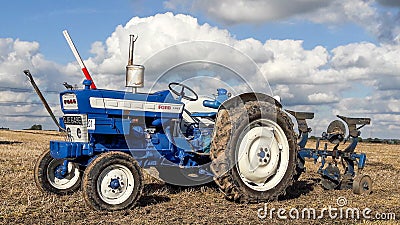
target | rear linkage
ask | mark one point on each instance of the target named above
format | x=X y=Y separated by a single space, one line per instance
x=331 y=176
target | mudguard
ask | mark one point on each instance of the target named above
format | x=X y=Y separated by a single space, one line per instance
x=246 y=97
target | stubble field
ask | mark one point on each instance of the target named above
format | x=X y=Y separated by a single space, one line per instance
x=22 y=203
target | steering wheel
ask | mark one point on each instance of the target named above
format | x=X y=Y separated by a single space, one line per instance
x=182 y=94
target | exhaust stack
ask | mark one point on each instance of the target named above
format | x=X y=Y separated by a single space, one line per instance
x=134 y=73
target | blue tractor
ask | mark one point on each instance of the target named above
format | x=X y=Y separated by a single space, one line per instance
x=245 y=144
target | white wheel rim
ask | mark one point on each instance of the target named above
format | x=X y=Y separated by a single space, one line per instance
x=263 y=155
x=112 y=195
x=71 y=178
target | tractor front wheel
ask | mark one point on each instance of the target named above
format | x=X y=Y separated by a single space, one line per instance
x=112 y=181
x=49 y=179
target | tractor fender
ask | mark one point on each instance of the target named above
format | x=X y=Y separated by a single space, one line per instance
x=246 y=97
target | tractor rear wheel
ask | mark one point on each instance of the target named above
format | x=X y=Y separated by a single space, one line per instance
x=112 y=181
x=47 y=178
x=254 y=152
x=300 y=168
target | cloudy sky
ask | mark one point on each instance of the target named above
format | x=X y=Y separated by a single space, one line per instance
x=329 y=57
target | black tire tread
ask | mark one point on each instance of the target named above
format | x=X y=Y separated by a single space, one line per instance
x=227 y=121
x=40 y=176
x=94 y=169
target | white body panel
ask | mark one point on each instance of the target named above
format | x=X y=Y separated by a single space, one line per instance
x=110 y=103
x=66 y=101
x=77 y=132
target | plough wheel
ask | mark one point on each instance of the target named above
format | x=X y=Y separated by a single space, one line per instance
x=362 y=185
x=328 y=183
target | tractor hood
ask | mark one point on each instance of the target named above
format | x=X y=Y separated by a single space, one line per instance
x=117 y=103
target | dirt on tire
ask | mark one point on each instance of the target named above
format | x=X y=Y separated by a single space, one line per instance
x=93 y=171
x=42 y=179
x=223 y=149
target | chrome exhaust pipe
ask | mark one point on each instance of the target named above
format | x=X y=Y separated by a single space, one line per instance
x=134 y=73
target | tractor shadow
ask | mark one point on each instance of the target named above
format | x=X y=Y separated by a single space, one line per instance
x=299 y=188
x=157 y=193
x=175 y=189
x=10 y=142
x=153 y=194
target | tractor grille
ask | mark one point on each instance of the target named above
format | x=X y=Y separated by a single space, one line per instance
x=76 y=126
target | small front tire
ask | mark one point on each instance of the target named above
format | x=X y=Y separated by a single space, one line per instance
x=112 y=181
x=47 y=181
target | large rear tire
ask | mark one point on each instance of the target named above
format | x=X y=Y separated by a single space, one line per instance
x=300 y=168
x=112 y=181
x=254 y=152
x=47 y=180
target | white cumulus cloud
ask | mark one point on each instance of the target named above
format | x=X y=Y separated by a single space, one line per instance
x=383 y=24
x=242 y=11
x=18 y=101
x=358 y=79
x=304 y=78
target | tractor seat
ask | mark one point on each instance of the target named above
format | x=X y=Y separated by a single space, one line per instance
x=222 y=95
x=214 y=104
